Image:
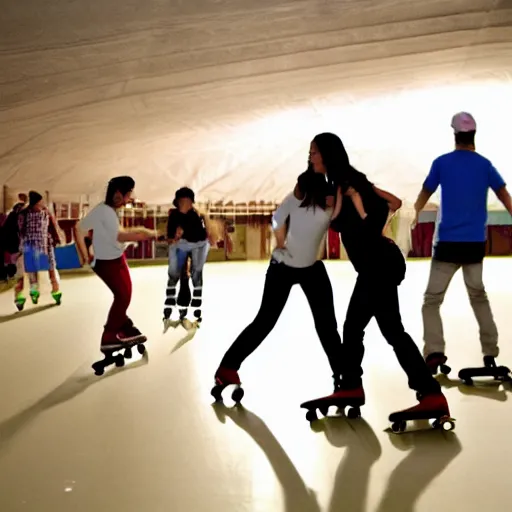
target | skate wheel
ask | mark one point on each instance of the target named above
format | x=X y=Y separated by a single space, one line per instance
x=216 y=392
x=119 y=361
x=128 y=353
x=311 y=416
x=468 y=381
x=445 y=369
x=447 y=425
x=141 y=349
x=237 y=395
x=419 y=396
x=398 y=426
x=354 y=413
x=98 y=369
x=324 y=410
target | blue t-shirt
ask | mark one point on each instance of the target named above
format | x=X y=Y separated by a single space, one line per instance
x=465 y=178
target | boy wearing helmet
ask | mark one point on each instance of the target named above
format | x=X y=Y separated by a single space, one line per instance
x=188 y=237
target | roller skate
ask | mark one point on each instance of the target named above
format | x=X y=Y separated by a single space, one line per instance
x=225 y=377
x=354 y=399
x=431 y=407
x=436 y=363
x=112 y=354
x=169 y=322
x=34 y=296
x=57 y=297
x=490 y=369
x=191 y=324
x=111 y=348
x=19 y=301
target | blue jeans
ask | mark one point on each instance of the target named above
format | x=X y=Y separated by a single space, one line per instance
x=178 y=255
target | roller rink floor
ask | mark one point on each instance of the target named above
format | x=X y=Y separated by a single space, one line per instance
x=147 y=438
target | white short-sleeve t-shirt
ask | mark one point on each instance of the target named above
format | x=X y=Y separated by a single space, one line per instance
x=307 y=228
x=104 y=223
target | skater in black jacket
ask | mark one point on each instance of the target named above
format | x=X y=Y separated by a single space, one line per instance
x=381 y=268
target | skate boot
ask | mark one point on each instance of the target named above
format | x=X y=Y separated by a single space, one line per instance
x=490 y=369
x=57 y=297
x=225 y=377
x=34 y=296
x=192 y=324
x=20 y=301
x=130 y=334
x=436 y=363
x=490 y=362
x=111 y=348
x=184 y=321
x=432 y=406
x=353 y=398
x=169 y=322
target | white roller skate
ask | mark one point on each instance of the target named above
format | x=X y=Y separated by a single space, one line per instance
x=170 y=322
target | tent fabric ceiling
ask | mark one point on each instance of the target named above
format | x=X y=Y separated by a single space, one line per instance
x=225 y=95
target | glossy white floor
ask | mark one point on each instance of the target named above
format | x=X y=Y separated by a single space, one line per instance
x=146 y=437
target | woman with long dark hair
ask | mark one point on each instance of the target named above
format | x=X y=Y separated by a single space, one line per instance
x=381 y=268
x=300 y=224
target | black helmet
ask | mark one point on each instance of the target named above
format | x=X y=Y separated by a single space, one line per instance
x=182 y=193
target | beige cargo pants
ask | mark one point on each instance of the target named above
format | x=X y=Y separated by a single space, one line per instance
x=441 y=274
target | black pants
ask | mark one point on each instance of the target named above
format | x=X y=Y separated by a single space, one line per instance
x=184 y=295
x=280 y=278
x=377 y=296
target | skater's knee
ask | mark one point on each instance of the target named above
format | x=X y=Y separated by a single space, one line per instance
x=477 y=294
x=197 y=278
x=352 y=331
x=262 y=325
x=326 y=330
x=432 y=300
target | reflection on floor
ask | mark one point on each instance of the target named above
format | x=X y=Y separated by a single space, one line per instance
x=147 y=438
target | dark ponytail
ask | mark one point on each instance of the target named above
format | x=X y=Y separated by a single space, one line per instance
x=121 y=184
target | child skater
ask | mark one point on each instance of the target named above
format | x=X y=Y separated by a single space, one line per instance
x=38 y=237
x=109 y=262
x=188 y=238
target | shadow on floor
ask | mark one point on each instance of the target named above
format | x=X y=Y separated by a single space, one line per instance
x=431 y=453
x=489 y=389
x=297 y=497
x=26 y=312
x=183 y=341
x=362 y=451
x=69 y=389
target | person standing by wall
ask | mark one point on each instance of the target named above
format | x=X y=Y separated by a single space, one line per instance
x=465 y=178
x=38 y=238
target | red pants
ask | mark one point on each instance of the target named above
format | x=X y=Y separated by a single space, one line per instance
x=116 y=275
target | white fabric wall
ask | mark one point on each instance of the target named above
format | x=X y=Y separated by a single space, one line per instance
x=225 y=95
